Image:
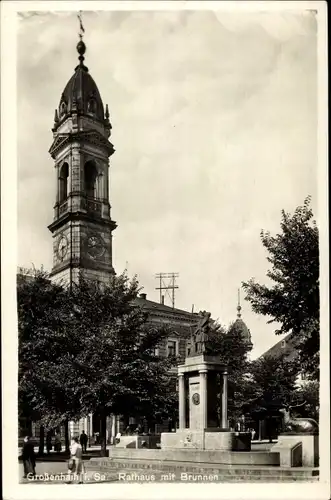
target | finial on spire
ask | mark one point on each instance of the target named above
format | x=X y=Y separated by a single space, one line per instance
x=81 y=27
x=239 y=306
x=81 y=47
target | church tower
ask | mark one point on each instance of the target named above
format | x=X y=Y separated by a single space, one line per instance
x=82 y=226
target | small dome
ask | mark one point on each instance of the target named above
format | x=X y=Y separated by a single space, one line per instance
x=241 y=325
x=81 y=93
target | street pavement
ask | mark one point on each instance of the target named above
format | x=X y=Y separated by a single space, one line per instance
x=52 y=469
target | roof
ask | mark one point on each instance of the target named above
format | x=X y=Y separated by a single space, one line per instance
x=241 y=325
x=286 y=347
x=81 y=93
x=164 y=310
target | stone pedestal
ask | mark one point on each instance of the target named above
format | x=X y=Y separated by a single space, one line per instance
x=310 y=450
x=199 y=382
x=290 y=452
x=202 y=378
x=288 y=448
x=136 y=442
x=187 y=439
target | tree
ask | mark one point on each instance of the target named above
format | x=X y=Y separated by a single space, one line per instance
x=42 y=313
x=293 y=300
x=233 y=348
x=113 y=367
x=273 y=381
x=272 y=385
x=88 y=349
x=308 y=396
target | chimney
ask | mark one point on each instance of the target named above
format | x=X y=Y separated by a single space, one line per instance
x=162 y=300
x=143 y=296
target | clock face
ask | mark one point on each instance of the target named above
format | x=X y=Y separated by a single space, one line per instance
x=62 y=247
x=95 y=246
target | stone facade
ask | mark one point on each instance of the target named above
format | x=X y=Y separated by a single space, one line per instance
x=179 y=321
x=82 y=226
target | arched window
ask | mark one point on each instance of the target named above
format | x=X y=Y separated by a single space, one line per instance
x=92 y=106
x=90 y=174
x=63 y=108
x=64 y=182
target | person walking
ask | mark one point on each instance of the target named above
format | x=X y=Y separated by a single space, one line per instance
x=75 y=465
x=29 y=457
x=83 y=441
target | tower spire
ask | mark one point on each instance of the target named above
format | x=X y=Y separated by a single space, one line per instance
x=239 y=306
x=81 y=47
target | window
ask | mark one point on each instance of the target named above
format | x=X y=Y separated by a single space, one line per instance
x=92 y=106
x=64 y=182
x=283 y=344
x=172 y=348
x=91 y=173
x=63 y=108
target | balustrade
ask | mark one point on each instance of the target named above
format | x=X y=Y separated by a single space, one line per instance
x=91 y=205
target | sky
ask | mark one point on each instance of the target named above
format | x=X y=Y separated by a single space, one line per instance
x=214 y=119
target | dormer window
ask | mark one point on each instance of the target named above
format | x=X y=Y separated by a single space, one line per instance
x=92 y=106
x=63 y=108
x=283 y=344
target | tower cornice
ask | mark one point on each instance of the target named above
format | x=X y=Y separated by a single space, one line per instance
x=81 y=217
x=78 y=263
x=91 y=137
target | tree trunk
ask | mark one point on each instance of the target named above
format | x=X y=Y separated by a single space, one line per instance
x=260 y=429
x=103 y=433
x=269 y=429
x=66 y=436
x=41 y=440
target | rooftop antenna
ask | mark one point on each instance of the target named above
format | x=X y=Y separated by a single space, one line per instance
x=167 y=282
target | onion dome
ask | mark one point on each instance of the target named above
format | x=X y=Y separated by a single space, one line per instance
x=245 y=332
x=81 y=94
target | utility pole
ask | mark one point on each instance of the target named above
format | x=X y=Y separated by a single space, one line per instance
x=167 y=283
